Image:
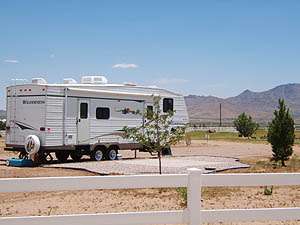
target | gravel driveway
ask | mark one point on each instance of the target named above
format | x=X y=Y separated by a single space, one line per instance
x=170 y=165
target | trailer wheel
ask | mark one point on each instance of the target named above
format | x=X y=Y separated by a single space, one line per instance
x=112 y=153
x=76 y=156
x=97 y=154
x=167 y=151
x=62 y=156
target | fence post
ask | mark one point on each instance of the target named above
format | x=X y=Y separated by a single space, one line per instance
x=194 y=196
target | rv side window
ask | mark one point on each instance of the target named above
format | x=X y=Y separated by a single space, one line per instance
x=83 y=110
x=149 y=110
x=167 y=104
x=102 y=113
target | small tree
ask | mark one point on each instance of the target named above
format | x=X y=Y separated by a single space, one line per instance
x=156 y=133
x=245 y=125
x=2 y=125
x=281 y=133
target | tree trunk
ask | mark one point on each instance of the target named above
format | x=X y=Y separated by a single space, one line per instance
x=159 y=161
x=283 y=163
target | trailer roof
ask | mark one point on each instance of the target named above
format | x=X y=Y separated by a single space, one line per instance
x=93 y=87
x=118 y=93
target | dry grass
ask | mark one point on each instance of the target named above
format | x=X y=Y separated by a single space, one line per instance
x=260 y=136
x=95 y=201
x=212 y=195
x=265 y=165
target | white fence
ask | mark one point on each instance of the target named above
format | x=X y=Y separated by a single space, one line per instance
x=192 y=215
x=217 y=129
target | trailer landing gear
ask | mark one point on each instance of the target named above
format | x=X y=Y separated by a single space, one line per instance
x=62 y=156
x=76 y=155
x=43 y=157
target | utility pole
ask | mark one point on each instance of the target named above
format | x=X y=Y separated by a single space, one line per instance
x=220 y=115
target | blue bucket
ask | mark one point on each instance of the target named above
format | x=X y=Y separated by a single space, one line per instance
x=19 y=162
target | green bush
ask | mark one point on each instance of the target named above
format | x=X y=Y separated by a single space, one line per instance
x=2 y=125
x=281 y=133
x=183 y=194
x=245 y=125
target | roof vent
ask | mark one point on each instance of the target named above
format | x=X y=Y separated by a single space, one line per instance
x=129 y=84
x=93 y=80
x=38 y=81
x=70 y=81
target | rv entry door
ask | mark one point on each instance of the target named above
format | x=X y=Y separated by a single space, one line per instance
x=83 y=124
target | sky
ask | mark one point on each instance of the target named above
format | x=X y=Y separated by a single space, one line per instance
x=198 y=47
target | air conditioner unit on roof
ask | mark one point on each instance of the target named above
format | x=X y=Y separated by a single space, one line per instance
x=70 y=81
x=38 y=81
x=93 y=80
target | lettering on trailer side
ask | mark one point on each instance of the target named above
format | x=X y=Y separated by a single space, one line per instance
x=33 y=102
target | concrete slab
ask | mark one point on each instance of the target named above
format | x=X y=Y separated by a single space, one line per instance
x=170 y=165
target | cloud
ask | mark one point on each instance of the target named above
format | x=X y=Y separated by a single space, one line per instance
x=125 y=66
x=167 y=81
x=52 y=56
x=11 y=61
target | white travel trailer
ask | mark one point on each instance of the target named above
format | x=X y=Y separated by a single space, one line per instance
x=80 y=118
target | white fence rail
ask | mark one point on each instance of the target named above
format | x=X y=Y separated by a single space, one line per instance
x=192 y=215
x=213 y=128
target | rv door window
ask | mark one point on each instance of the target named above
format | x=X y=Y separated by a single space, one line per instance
x=102 y=113
x=167 y=104
x=83 y=110
x=149 y=110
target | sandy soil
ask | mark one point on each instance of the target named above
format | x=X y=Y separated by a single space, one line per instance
x=198 y=147
x=229 y=149
x=9 y=172
x=217 y=148
x=56 y=203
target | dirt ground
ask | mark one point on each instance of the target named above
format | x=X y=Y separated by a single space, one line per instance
x=95 y=201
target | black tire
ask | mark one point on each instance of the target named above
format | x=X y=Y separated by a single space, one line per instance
x=62 y=156
x=97 y=154
x=43 y=157
x=112 y=153
x=167 y=151
x=76 y=156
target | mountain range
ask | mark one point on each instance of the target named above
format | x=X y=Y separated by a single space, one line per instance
x=260 y=105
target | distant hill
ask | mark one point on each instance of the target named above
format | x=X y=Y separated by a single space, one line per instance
x=260 y=105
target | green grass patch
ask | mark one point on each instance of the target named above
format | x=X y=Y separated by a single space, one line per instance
x=257 y=165
x=260 y=136
x=265 y=165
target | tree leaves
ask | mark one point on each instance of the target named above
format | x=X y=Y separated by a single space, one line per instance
x=157 y=132
x=281 y=133
x=245 y=125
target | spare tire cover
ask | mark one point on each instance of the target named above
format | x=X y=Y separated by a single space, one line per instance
x=32 y=144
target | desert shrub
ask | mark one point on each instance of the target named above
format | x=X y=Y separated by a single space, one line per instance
x=245 y=125
x=188 y=139
x=268 y=191
x=183 y=194
x=2 y=125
